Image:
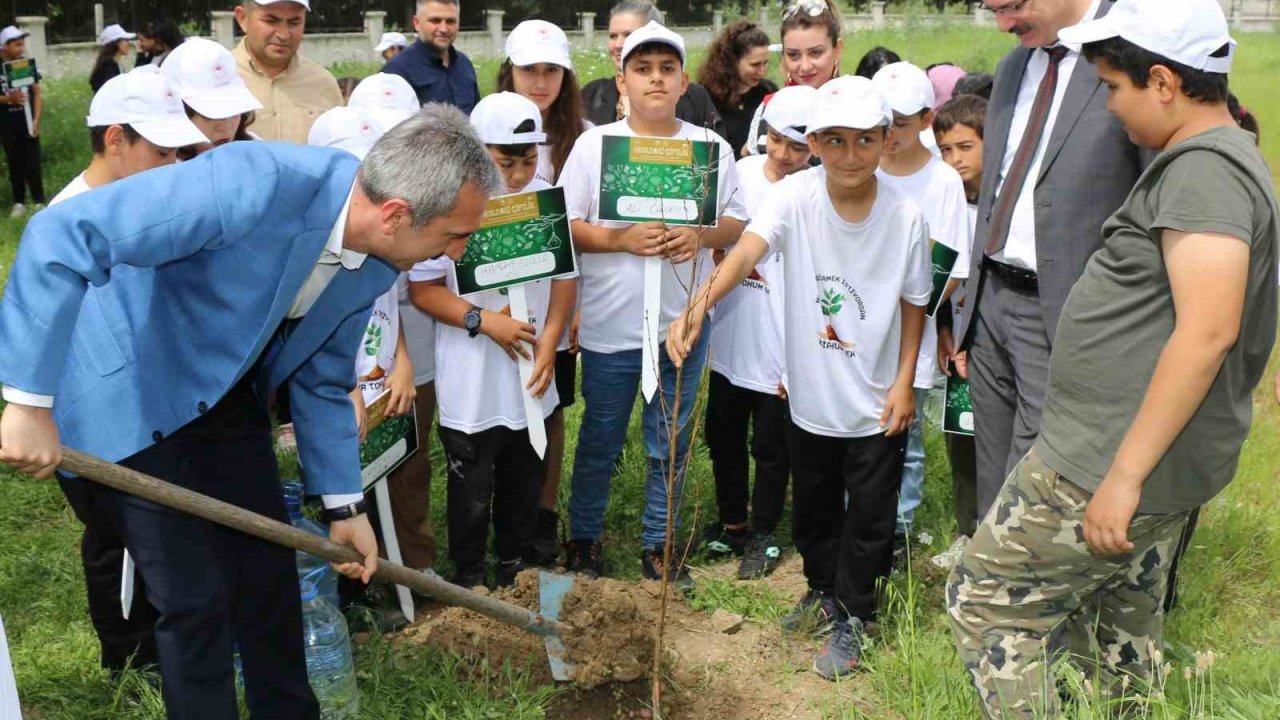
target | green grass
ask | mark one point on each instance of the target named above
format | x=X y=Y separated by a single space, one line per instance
x=1230 y=586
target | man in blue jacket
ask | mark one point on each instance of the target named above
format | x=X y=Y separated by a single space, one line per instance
x=253 y=266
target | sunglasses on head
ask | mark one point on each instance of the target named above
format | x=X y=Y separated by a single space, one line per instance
x=812 y=8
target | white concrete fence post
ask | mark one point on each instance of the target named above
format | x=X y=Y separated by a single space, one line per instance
x=981 y=16
x=493 y=20
x=587 y=23
x=98 y=20
x=223 y=25
x=877 y=13
x=717 y=22
x=37 y=44
x=375 y=22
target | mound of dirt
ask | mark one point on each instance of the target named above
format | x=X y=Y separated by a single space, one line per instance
x=714 y=665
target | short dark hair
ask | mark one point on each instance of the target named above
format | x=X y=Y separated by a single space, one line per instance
x=652 y=47
x=1124 y=56
x=967 y=110
x=98 y=137
x=874 y=59
x=513 y=151
x=975 y=83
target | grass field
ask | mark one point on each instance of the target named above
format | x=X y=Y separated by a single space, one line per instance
x=1230 y=584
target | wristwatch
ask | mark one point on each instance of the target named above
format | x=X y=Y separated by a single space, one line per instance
x=471 y=321
x=346 y=512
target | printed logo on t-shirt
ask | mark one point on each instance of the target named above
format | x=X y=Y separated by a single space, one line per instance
x=754 y=279
x=372 y=345
x=832 y=301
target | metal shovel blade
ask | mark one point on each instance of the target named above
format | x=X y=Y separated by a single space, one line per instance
x=552 y=587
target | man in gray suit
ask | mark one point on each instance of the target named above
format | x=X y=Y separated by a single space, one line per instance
x=1057 y=166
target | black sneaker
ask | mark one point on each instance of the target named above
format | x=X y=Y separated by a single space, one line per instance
x=761 y=557
x=469 y=576
x=547 y=548
x=843 y=651
x=816 y=613
x=507 y=572
x=719 y=541
x=586 y=557
x=678 y=575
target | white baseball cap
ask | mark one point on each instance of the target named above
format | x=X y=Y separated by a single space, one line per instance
x=498 y=117
x=114 y=33
x=204 y=75
x=906 y=86
x=306 y=4
x=145 y=102
x=390 y=40
x=11 y=33
x=353 y=129
x=385 y=91
x=538 y=41
x=787 y=112
x=849 y=101
x=1190 y=32
x=651 y=33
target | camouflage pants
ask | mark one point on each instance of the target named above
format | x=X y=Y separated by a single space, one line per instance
x=1027 y=592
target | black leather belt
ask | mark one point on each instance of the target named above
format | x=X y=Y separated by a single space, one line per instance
x=1014 y=277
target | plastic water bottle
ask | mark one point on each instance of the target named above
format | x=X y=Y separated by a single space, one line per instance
x=330 y=668
x=328 y=580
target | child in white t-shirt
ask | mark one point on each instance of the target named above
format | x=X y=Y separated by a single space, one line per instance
x=135 y=124
x=856 y=270
x=494 y=471
x=959 y=126
x=747 y=364
x=611 y=335
x=912 y=169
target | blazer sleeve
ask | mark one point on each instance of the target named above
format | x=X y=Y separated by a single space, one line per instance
x=320 y=402
x=147 y=220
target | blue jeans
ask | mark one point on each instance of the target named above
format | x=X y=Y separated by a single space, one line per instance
x=913 y=471
x=609 y=385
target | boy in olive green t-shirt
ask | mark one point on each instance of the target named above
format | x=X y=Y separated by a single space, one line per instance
x=1161 y=343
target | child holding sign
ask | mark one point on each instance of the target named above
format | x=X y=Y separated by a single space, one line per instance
x=856 y=277
x=910 y=168
x=494 y=468
x=21 y=104
x=637 y=190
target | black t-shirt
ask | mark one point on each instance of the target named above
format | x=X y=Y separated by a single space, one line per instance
x=103 y=73
x=737 y=120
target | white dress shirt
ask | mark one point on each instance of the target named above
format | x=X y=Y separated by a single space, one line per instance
x=1020 y=247
x=333 y=257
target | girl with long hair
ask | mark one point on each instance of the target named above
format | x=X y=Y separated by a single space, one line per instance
x=538 y=66
x=734 y=75
x=114 y=45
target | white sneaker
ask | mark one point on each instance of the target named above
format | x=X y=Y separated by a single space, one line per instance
x=18 y=210
x=948 y=558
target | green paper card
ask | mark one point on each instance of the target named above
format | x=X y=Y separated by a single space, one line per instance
x=522 y=238
x=672 y=181
x=957 y=411
x=388 y=442
x=20 y=73
x=943 y=261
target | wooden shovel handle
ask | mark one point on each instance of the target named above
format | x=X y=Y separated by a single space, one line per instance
x=232 y=516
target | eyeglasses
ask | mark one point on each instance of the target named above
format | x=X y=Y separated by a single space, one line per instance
x=812 y=8
x=1011 y=9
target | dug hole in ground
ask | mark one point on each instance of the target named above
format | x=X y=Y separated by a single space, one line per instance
x=717 y=665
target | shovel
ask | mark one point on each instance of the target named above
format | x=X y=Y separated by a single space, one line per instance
x=552 y=587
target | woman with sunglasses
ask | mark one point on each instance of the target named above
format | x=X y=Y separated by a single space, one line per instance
x=811 y=48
